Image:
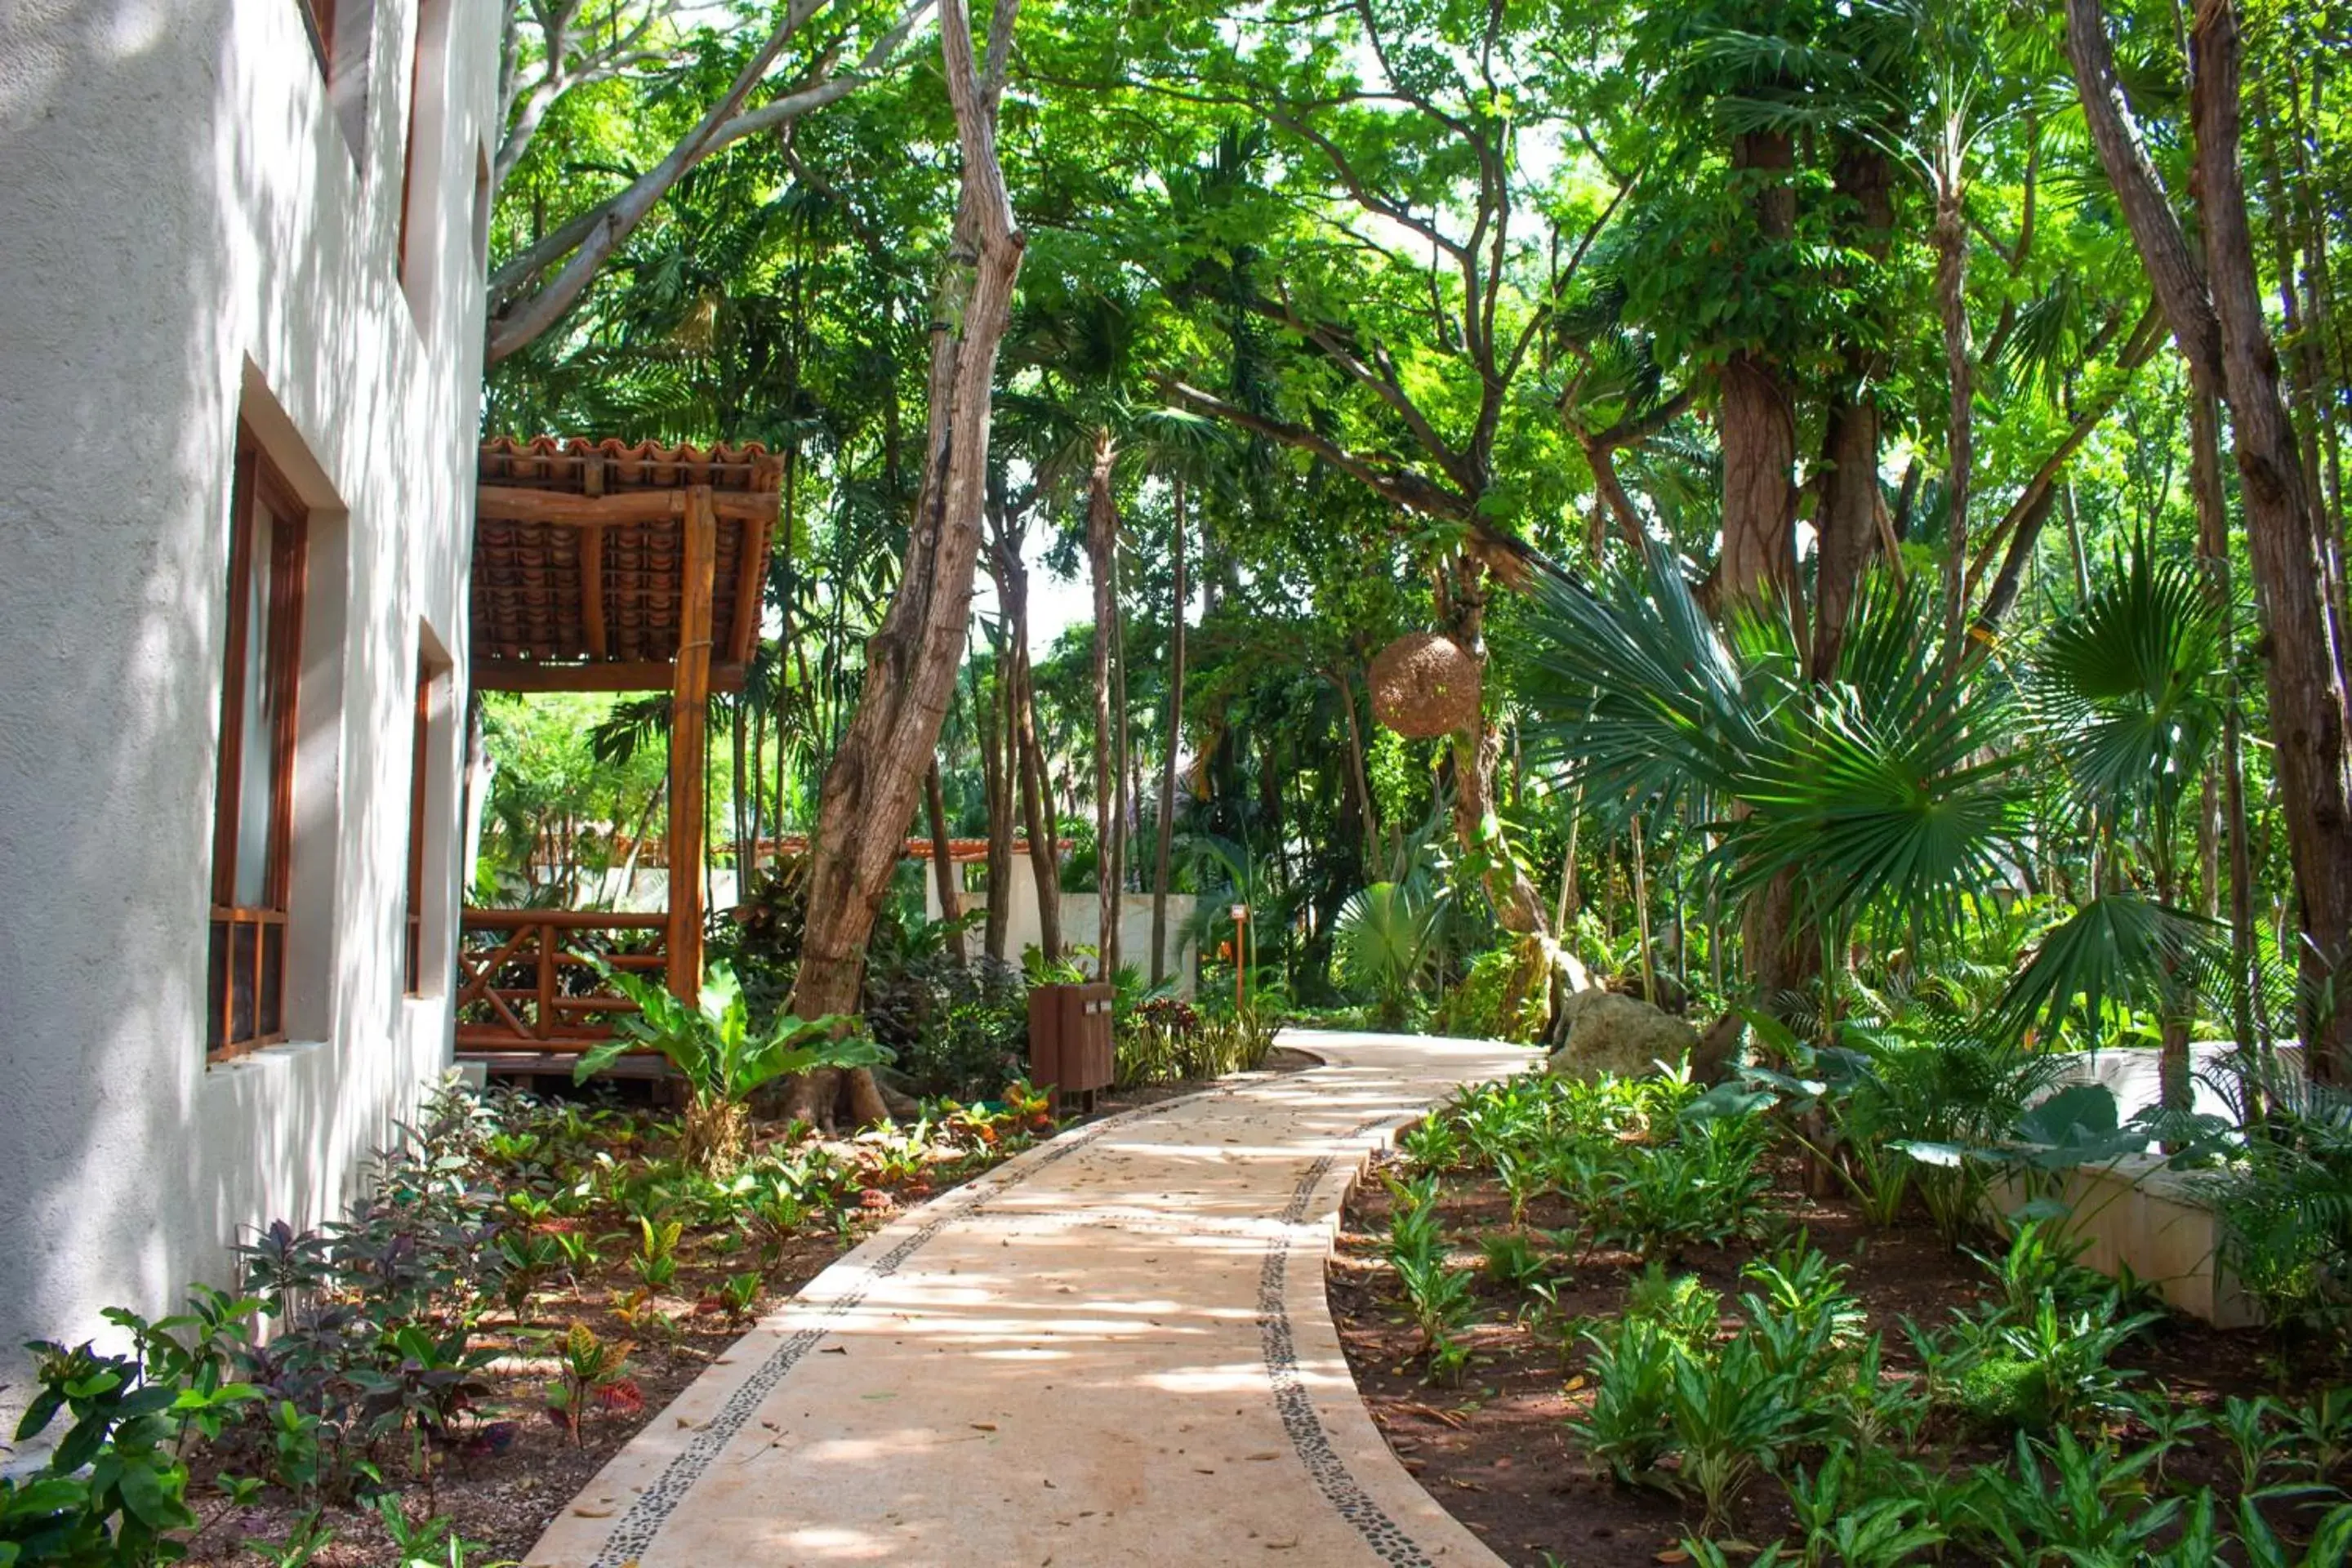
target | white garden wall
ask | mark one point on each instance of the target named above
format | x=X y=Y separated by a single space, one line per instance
x=189 y=229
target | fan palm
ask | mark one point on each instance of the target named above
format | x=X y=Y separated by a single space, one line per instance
x=1386 y=939
x=2126 y=689
x=1895 y=785
x=1886 y=784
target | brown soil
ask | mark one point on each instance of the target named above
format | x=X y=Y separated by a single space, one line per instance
x=1494 y=1449
x=516 y=1465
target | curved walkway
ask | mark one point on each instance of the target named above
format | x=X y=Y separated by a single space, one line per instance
x=1112 y=1350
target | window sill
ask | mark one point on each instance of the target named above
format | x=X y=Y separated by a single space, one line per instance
x=268 y=1059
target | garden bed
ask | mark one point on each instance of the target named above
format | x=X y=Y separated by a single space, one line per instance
x=508 y=1459
x=1492 y=1441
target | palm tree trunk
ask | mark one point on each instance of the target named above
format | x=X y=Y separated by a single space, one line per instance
x=1165 y=850
x=740 y=729
x=1121 y=814
x=943 y=871
x=1757 y=420
x=1037 y=813
x=1959 y=372
x=2213 y=546
x=1102 y=532
x=996 y=731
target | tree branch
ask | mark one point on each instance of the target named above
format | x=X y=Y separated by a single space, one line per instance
x=1512 y=560
x=590 y=238
x=2172 y=269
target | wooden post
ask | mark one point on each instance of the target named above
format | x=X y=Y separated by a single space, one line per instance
x=689 y=744
x=591 y=589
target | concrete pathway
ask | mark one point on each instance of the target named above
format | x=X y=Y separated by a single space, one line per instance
x=1112 y=1350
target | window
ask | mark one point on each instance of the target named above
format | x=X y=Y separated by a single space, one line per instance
x=253 y=808
x=319 y=16
x=420 y=778
x=481 y=205
x=424 y=122
x=343 y=34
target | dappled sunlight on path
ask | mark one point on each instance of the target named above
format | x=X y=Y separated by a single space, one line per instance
x=1113 y=1349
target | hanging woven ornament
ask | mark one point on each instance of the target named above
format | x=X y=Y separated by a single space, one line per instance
x=1425 y=686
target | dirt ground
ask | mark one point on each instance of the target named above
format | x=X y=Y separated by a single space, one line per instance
x=1494 y=1449
x=515 y=1465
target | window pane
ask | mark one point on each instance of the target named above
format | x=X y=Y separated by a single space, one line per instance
x=242 y=950
x=216 y=986
x=269 y=1016
x=250 y=887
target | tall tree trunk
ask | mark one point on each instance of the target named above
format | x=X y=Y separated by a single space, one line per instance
x=2220 y=329
x=996 y=742
x=1755 y=418
x=2286 y=537
x=868 y=796
x=1756 y=414
x=1461 y=612
x=1042 y=820
x=759 y=787
x=2213 y=550
x=1164 y=851
x=1122 y=814
x=1846 y=524
x=1959 y=374
x=943 y=870
x=743 y=829
x=1102 y=534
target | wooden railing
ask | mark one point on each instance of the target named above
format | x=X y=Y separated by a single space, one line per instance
x=526 y=981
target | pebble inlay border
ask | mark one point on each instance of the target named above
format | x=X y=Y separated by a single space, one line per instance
x=1296 y=1405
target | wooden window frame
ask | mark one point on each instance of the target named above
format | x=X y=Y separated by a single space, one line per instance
x=318 y=22
x=258 y=493
x=419 y=782
x=408 y=145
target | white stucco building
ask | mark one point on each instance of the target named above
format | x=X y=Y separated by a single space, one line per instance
x=240 y=327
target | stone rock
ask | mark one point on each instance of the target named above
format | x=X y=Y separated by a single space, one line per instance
x=1601 y=1033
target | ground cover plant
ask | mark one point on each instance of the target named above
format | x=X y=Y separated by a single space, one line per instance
x=429 y=1379
x=1686 y=1342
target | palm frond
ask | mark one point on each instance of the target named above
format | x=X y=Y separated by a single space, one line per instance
x=2120 y=948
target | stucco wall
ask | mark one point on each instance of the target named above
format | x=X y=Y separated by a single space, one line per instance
x=185 y=232
x=1082 y=921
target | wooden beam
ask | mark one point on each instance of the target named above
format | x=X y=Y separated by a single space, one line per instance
x=561 y=920
x=612 y=675
x=690 y=723
x=592 y=590
x=751 y=575
x=520 y=503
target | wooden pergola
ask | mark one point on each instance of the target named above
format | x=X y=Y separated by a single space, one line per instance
x=600 y=567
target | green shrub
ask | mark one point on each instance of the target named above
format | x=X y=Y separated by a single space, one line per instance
x=960 y=1030
x=2002 y=1393
x=1628 y=1427
x=1504 y=996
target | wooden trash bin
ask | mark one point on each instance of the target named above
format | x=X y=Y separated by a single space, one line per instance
x=1070 y=1049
